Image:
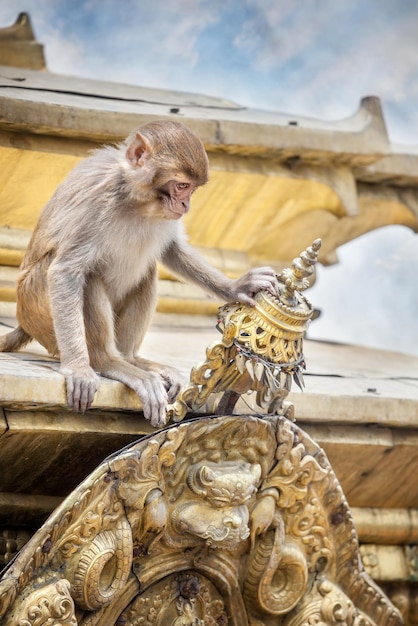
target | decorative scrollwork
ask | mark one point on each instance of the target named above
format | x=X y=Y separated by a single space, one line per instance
x=328 y=605
x=50 y=606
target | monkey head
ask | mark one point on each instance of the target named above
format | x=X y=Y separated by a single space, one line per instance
x=169 y=163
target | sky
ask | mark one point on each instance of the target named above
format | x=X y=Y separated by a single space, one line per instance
x=314 y=58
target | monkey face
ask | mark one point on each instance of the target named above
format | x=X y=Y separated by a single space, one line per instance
x=168 y=162
x=175 y=197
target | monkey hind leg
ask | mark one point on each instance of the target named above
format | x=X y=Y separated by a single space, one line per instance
x=33 y=309
x=134 y=313
x=11 y=342
x=106 y=358
x=133 y=317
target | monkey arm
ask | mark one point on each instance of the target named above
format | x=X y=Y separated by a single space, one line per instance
x=186 y=262
x=66 y=287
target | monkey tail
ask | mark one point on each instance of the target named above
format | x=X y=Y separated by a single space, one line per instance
x=14 y=340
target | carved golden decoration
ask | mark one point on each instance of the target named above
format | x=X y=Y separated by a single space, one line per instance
x=261 y=349
x=181 y=600
x=50 y=606
x=219 y=521
x=226 y=520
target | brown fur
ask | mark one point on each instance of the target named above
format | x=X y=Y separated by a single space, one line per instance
x=87 y=288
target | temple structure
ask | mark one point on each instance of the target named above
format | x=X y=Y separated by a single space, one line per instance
x=234 y=514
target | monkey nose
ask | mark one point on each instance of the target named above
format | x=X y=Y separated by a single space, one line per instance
x=186 y=206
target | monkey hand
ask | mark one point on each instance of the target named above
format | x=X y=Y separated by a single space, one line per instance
x=244 y=288
x=82 y=382
x=172 y=380
x=150 y=388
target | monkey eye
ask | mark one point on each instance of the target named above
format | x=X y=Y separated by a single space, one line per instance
x=183 y=185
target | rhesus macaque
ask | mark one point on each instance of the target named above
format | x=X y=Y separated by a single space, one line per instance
x=87 y=287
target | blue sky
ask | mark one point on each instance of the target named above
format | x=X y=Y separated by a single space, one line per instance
x=305 y=57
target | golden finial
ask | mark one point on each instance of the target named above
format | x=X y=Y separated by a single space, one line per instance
x=295 y=278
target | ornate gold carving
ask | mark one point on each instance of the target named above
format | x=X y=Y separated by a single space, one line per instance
x=225 y=520
x=220 y=515
x=327 y=605
x=261 y=349
x=181 y=600
x=50 y=606
x=277 y=574
x=103 y=567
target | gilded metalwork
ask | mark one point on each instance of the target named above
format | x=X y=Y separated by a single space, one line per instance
x=261 y=349
x=224 y=520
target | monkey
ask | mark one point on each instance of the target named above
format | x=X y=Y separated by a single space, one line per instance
x=87 y=284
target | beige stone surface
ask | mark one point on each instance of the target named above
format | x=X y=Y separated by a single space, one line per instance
x=385 y=563
x=344 y=384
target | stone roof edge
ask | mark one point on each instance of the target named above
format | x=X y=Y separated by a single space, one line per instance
x=63 y=106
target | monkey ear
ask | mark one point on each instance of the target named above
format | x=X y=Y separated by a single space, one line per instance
x=138 y=150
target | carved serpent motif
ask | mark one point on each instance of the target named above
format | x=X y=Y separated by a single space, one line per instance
x=277 y=574
x=103 y=567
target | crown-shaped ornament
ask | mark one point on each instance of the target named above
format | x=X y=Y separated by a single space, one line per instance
x=261 y=348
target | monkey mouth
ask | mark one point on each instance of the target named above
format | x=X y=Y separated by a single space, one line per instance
x=167 y=203
x=174 y=215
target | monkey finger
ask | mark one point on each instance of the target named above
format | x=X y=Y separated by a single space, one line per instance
x=84 y=398
x=267 y=275
x=267 y=285
x=246 y=299
x=75 y=399
x=171 y=384
x=158 y=414
x=159 y=417
x=162 y=417
x=78 y=400
x=87 y=393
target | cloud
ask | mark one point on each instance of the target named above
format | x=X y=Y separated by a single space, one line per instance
x=276 y=33
x=326 y=56
x=146 y=43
